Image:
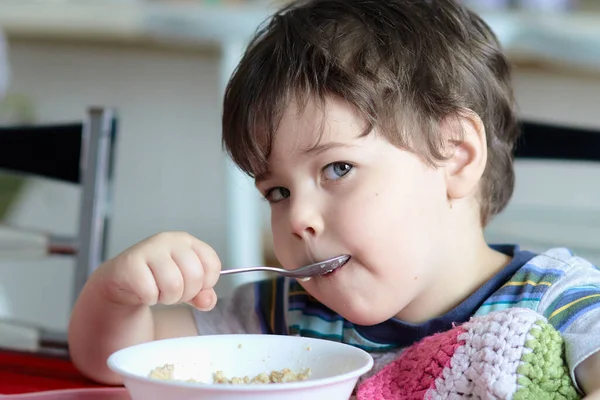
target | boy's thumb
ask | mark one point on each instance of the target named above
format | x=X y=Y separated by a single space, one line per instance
x=205 y=300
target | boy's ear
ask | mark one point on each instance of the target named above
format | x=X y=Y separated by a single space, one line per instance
x=466 y=147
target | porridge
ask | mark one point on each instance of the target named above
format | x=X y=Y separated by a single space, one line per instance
x=285 y=375
x=282 y=376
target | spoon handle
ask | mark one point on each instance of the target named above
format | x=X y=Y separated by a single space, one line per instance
x=250 y=269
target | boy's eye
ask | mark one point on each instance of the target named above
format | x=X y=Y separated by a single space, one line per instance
x=277 y=194
x=336 y=170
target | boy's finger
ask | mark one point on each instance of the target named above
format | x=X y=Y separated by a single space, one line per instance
x=132 y=285
x=211 y=263
x=205 y=300
x=168 y=279
x=192 y=271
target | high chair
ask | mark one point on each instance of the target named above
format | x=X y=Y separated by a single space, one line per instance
x=558 y=142
x=555 y=203
x=81 y=153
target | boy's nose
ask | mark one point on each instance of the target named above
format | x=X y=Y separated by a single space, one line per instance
x=304 y=233
x=305 y=220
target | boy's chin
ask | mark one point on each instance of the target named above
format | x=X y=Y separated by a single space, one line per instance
x=365 y=320
x=365 y=317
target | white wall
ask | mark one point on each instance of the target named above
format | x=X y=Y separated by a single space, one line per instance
x=561 y=97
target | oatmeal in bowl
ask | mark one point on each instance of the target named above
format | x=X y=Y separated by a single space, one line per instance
x=240 y=367
x=167 y=372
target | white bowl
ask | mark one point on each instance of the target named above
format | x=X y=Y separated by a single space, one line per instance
x=335 y=367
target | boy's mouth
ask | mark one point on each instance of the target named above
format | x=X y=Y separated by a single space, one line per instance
x=335 y=271
x=329 y=273
x=337 y=268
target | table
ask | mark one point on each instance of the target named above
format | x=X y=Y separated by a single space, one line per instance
x=25 y=375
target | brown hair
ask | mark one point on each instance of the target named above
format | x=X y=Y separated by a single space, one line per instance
x=405 y=65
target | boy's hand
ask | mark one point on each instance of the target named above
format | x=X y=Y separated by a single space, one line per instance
x=167 y=268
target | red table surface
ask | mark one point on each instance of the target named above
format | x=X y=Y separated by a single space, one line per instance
x=22 y=372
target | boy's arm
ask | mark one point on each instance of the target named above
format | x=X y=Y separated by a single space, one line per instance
x=588 y=376
x=572 y=305
x=100 y=327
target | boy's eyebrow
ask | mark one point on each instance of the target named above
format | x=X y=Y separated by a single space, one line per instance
x=262 y=177
x=320 y=148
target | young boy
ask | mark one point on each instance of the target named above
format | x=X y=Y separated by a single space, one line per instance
x=379 y=129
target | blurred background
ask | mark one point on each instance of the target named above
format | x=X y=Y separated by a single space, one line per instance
x=163 y=66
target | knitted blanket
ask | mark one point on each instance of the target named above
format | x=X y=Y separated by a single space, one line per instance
x=509 y=354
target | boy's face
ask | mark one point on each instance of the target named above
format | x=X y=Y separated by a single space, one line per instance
x=354 y=195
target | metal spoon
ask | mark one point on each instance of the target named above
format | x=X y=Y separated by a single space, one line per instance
x=307 y=271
